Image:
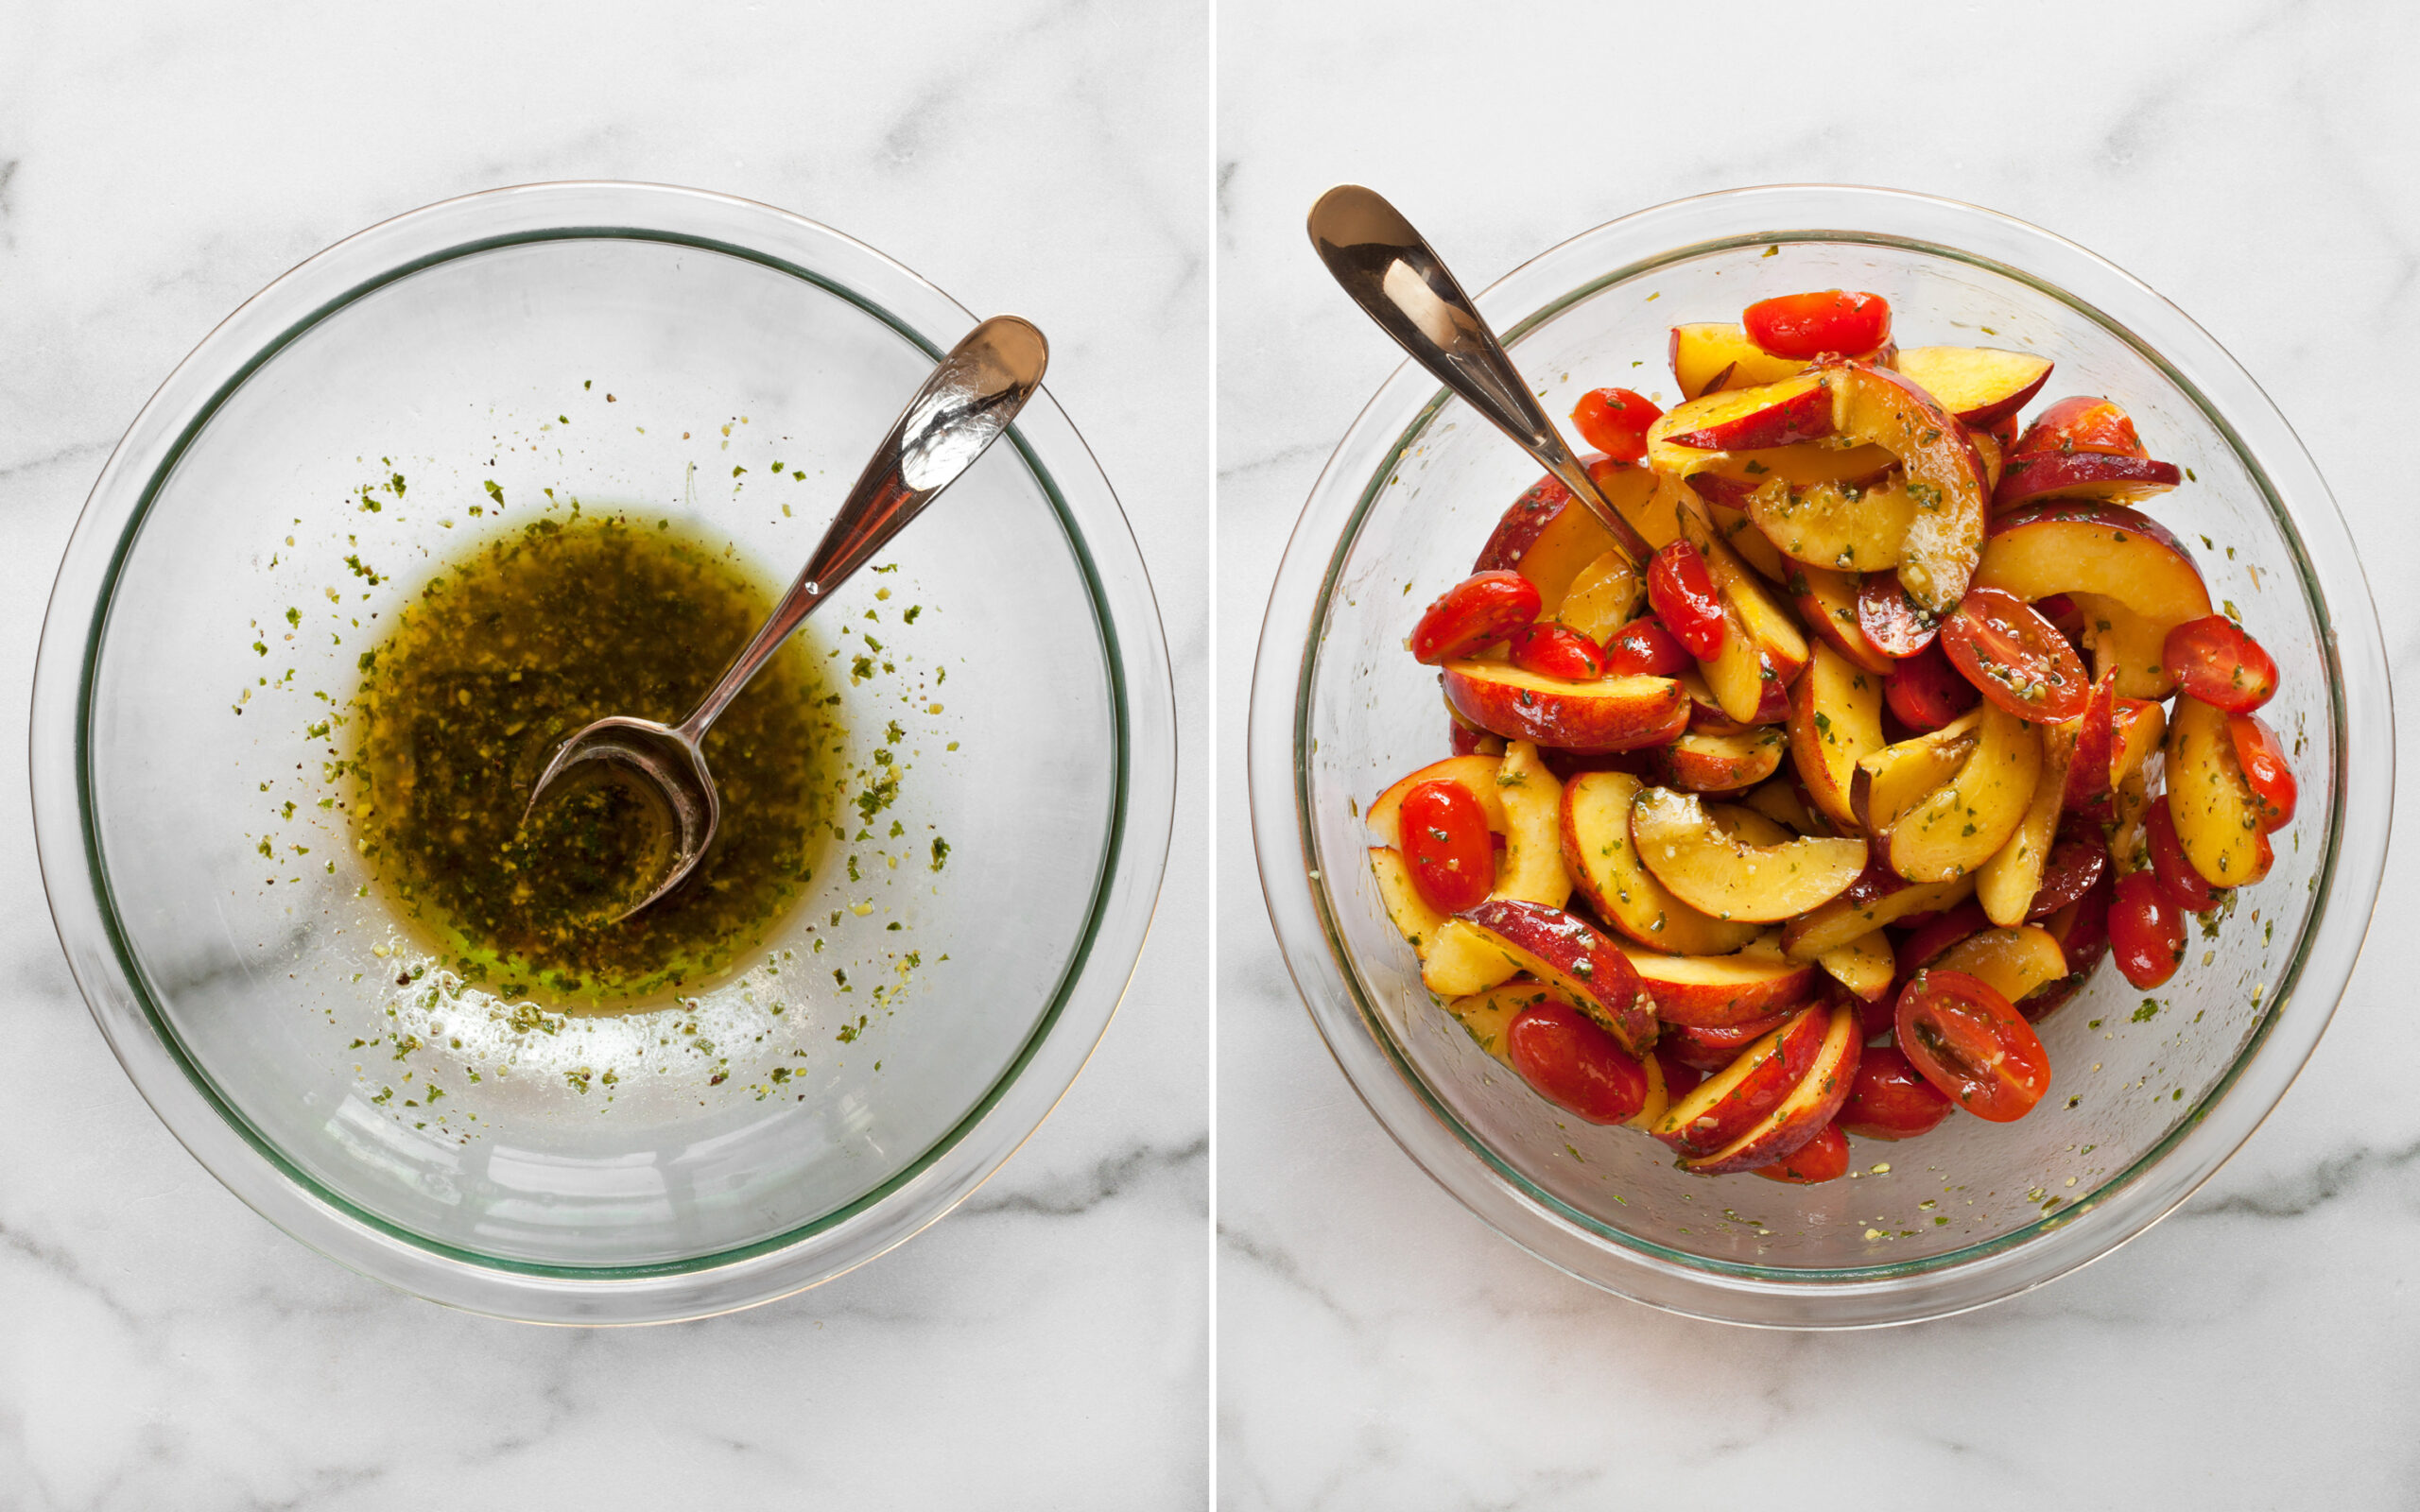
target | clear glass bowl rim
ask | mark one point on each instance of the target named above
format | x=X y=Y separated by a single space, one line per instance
x=1134 y=852
x=1279 y=768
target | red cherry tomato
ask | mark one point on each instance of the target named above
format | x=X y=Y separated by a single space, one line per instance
x=2263 y=761
x=1474 y=614
x=1891 y=622
x=1575 y=1065
x=2146 y=930
x=1926 y=693
x=2017 y=658
x=2184 y=888
x=1683 y=593
x=1644 y=647
x=1552 y=650
x=1967 y=1040
x=1710 y=1050
x=1615 y=421
x=2080 y=423
x=1445 y=840
x=1809 y=325
x=1891 y=1099
x=1825 y=1158
x=2213 y=660
x=2077 y=858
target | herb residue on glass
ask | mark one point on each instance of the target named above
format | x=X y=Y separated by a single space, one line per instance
x=494 y=664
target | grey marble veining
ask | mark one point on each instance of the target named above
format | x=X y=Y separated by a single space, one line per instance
x=160 y=1345
x=1378 y=1345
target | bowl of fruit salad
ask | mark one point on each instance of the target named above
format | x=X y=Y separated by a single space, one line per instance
x=1898 y=842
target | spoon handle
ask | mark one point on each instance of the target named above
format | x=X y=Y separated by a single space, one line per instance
x=960 y=411
x=1400 y=282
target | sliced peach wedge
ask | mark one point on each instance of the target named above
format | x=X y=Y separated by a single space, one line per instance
x=2216 y=813
x=1574 y=961
x=1979 y=386
x=1605 y=715
x=1751 y=677
x=1605 y=869
x=1719 y=991
x=1702 y=763
x=1827 y=603
x=1955 y=829
x=1858 y=525
x=1803 y=1110
x=1718 y=874
x=1878 y=897
x=2133 y=580
x=1710 y=357
x=2008 y=882
x=2046 y=475
x=1796 y=408
x=1732 y=1101
x=1835 y=723
x=1890 y=782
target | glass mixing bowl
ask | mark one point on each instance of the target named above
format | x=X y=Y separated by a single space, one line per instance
x=462 y=370
x=1975 y=1212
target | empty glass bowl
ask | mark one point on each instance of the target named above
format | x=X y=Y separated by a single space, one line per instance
x=464 y=371
x=2151 y=1091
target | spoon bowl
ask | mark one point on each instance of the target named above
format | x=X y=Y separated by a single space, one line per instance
x=958 y=411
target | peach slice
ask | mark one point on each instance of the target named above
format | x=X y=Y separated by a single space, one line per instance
x=1574 y=961
x=1725 y=509
x=1547 y=537
x=1603 y=597
x=1608 y=715
x=2008 y=882
x=1727 y=1104
x=1717 y=991
x=2045 y=475
x=1454 y=958
x=1865 y=966
x=1751 y=678
x=1879 y=897
x=1944 y=477
x=1954 y=830
x=1709 y=358
x=2216 y=813
x=1532 y=865
x=1797 y=408
x=1701 y=763
x=1803 y=1110
x=1978 y=386
x=2137 y=727
x=1834 y=722
x=1827 y=603
x=2133 y=580
x=1890 y=782
x=1705 y=714
x=1784 y=801
x=1718 y=874
x=1604 y=866
x=2015 y=962
x=1858 y=524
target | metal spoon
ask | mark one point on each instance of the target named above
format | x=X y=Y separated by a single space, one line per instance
x=1400 y=282
x=960 y=411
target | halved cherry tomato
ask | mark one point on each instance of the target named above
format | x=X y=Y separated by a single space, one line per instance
x=1683 y=593
x=2214 y=660
x=1575 y=1065
x=1825 y=1158
x=1447 y=841
x=1891 y=1099
x=1710 y=1050
x=2016 y=657
x=2089 y=768
x=2179 y=883
x=1552 y=650
x=1615 y=421
x=1926 y=693
x=1893 y=623
x=2077 y=858
x=1645 y=648
x=1809 y=325
x=1973 y=1045
x=2080 y=423
x=2263 y=759
x=2146 y=930
x=1474 y=614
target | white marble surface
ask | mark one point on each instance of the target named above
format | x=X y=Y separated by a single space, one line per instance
x=1378 y=1345
x=160 y=1345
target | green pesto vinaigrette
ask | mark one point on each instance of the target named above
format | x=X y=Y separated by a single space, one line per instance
x=495 y=660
